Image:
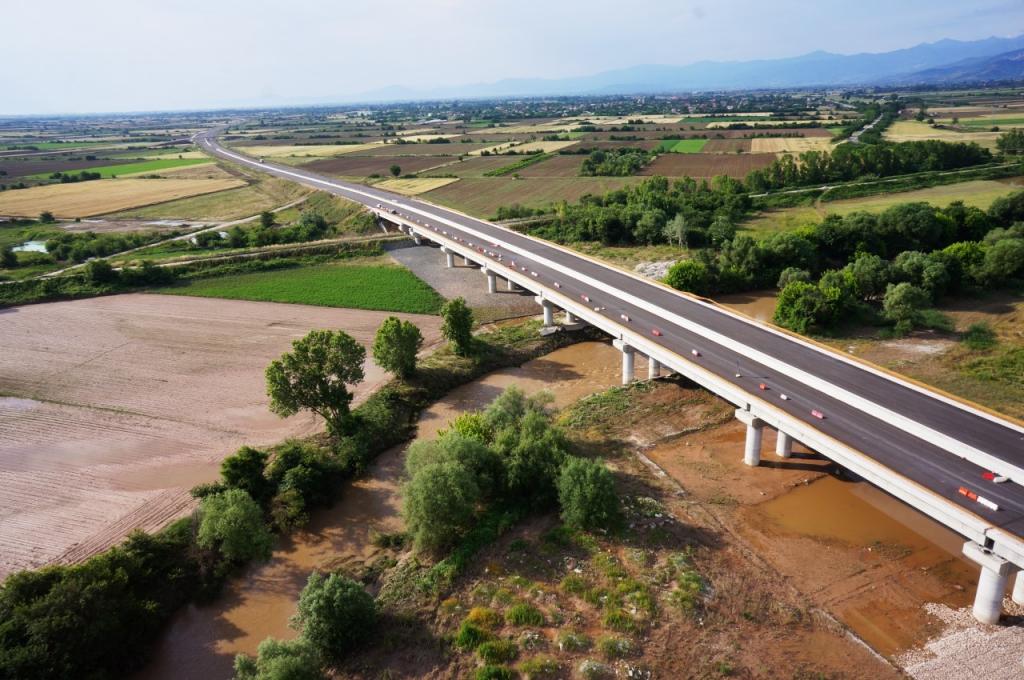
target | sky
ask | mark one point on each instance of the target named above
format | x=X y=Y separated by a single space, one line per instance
x=71 y=56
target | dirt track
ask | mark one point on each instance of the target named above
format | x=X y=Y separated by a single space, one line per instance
x=112 y=408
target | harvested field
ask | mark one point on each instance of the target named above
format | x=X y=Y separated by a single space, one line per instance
x=232 y=204
x=494 y=148
x=84 y=199
x=302 y=151
x=418 y=185
x=427 y=137
x=449 y=149
x=646 y=144
x=117 y=405
x=715 y=125
x=707 y=165
x=795 y=145
x=364 y=166
x=209 y=170
x=15 y=168
x=727 y=146
x=913 y=131
x=481 y=197
x=475 y=166
x=146 y=167
x=977 y=193
x=544 y=147
x=558 y=166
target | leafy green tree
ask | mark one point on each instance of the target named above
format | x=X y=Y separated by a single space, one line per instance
x=8 y=258
x=675 y=230
x=315 y=376
x=689 y=275
x=721 y=230
x=586 y=494
x=533 y=451
x=870 y=275
x=457 y=325
x=483 y=463
x=439 y=503
x=232 y=523
x=100 y=271
x=395 y=170
x=395 y=346
x=903 y=303
x=245 y=470
x=335 y=615
x=790 y=274
x=1011 y=142
x=281 y=660
x=46 y=217
x=267 y=219
x=472 y=425
x=799 y=306
x=1004 y=261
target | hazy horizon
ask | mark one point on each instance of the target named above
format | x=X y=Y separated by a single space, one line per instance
x=138 y=56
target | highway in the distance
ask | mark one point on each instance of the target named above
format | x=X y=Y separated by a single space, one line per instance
x=930 y=439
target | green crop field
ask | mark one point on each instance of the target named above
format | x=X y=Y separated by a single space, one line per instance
x=382 y=287
x=986 y=123
x=682 y=145
x=54 y=146
x=108 y=171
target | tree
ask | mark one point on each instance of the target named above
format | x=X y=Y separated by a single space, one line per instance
x=100 y=271
x=395 y=346
x=1004 y=261
x=280 y=660
x=232 y=523
x=799 y=306
x=675 y=230
x=335 y=615
x=482 y=462
x=790 y=274
x=8 y=258
x=586 y=494
x=690 y=275
x=267 y=219
x=245 y=470
x=903 y=303
x=533 y=450
x=457 y=325
x=395 y=170
x=314 y=376
x=46 y=217
x=439 y=503
x=721 y=230
x=870 y=275
x=1011 y=142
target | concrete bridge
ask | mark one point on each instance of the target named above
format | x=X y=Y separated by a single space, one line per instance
x=952 y=460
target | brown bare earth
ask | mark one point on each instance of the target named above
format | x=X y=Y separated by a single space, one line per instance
x=559 y=166
x=727 y=146
x=114 y=407
x=364 y=166
x=707 y=165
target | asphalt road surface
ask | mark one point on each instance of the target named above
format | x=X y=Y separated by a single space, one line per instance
x=647 y=307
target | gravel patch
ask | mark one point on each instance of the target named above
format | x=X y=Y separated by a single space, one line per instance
x=654 y=270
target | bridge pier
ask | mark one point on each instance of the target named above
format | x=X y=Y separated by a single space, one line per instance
x=995 y=572
x=783 y=445
x=653 y=368
x=628 y=356
x=549 y=311
x=1018 y=588
x=755 y=430
x=449 y=258
x=511 y=285
x=492 y=281
x=416 y=239
x=465 y=261
x=571 y=318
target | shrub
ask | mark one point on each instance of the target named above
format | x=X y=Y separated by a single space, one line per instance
x=618 y=620
x=100 y=271
x=280 y=660
x=903 y=303
x=615 y=647
x=571 y=641
x=533 y=452
x=595 y=670
x=457 y=326
x=485 y=618
x=790 y=274
x=232 y=523
x=497 y=651
x=395 y=346
x=524 y=614
x=245 y=470
x=689 y=275
x=495 y=673
x=335 y=615
x=979 y=336
x=799 y=307
x=586 y=493
x=539 y=667
x=470 y=636
x=439 y=504
x=574 y=585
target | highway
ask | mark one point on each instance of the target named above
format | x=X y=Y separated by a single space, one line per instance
x=928 y=440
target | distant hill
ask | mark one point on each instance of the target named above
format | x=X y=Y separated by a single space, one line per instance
x=813 y=69
x=1001 y=67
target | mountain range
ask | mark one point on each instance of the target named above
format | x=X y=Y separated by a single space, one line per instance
x=952 y=61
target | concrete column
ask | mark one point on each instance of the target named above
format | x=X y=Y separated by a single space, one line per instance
x=653 y=368
x=995 y=572
x=752 y=446
x=492 y=281
x=449 y=259
x=1018 y=588
x=416 y=239
x=465 y=261
x=783 y=445
x=511 y=285
x=571 y=318
x=549 y=312
x=627 y=360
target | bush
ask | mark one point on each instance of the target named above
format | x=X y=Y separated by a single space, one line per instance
x=586 y=494
x=245 y=470
x=495 y=673
x=232 y=522
x=979 y=336
x=903 y=303
x=571 y=641
x=497 y=651
x=689 y=275
x=100 y=271
x=799 y=307
x=395 y=346
x=790 y=274
x=595 y=670
x=440 y=504
x=485 y=618
x=524 y=614
x=335 y=615
x=616 y=647
x=539 y=667
x=533 y=452
x=470 y=636
x=280 y=660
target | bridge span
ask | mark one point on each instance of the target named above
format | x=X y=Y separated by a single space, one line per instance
x=955 y=461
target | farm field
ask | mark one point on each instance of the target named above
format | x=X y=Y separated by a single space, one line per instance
x=415 y=185
x=232 y=204
x=475 y=166
x=303 y=151
x=912 y=131
x=544 y=147
x=482 y=197
x=707 y=165
x=372 y=285
x=45 y=168
x=556 y=166
x=116 y=406
x=143 y=167
x=682 y=145
x=727 y=146
x=449 y=149
x=98 y=197
x=364 y=166
x=794 y=145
